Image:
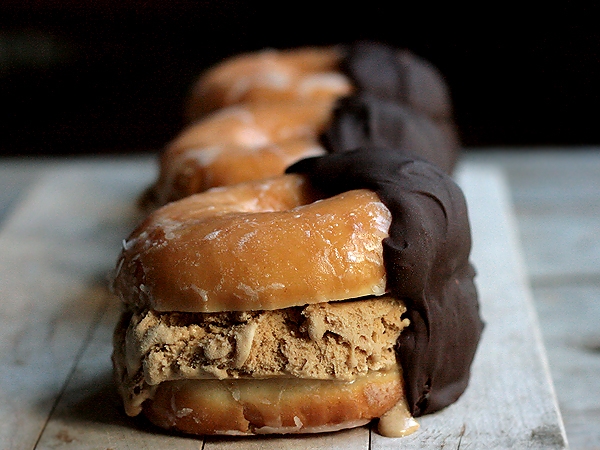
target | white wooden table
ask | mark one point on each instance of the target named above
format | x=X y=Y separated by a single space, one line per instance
x=556 y=198
x=61 y=226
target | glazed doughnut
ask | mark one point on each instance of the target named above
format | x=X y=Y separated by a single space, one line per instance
x=270 y=75
x=337 y=240
x=240 y=143
x=284 y=406
x=348 y=278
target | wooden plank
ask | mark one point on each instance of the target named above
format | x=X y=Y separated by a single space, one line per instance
x=54 y=252
x=89 y=414
x=558 y=208
x=509 y=404
x=15 y=177
x=555 y=194
x=569 y=315
x=354 y=439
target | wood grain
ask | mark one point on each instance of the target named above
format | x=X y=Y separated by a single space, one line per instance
x=556 y=197
x=54 y=253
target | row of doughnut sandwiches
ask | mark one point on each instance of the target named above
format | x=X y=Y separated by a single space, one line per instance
x=304 y=266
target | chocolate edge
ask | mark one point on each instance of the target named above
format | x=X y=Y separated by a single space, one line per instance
x=427 y=261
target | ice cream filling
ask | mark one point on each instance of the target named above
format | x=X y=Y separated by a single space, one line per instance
x=324 y=341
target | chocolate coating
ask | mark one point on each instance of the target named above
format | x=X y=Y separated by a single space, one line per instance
x=427 y=262
x=400 y=102
x=398 y=75
x=362 y=119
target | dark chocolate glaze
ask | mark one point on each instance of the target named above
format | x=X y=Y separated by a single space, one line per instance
x=427 y=264
x=363 y=119
x=400 y=102
x=397 y=75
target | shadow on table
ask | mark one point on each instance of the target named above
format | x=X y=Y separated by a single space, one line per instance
x=97 y=405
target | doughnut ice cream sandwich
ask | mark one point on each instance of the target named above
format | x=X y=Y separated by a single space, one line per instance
x=269 y=336
x=283 y=306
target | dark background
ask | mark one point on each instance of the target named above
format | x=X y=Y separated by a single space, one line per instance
x=82 y=77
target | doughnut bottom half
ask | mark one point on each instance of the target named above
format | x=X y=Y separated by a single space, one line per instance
x=272 y=406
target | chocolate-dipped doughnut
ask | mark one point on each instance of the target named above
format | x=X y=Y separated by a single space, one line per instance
x=336 y=294
x=398 y=75
x=327 y=72
x=360 y=239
